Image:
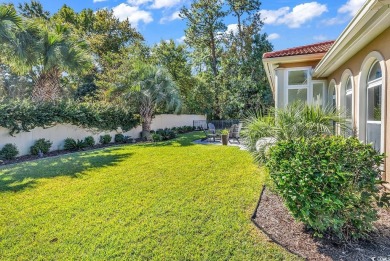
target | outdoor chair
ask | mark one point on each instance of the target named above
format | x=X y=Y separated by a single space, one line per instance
x=210 y=132
x=234 y=132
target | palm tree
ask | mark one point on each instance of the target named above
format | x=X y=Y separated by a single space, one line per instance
x=9 y=21
x=46 y=51
x=153 y=88
x=297 y=120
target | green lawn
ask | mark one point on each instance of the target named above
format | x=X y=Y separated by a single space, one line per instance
x=166 y=201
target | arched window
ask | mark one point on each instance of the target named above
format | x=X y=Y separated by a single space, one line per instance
x=374 y=106
x=347 y=101
x=331 y=101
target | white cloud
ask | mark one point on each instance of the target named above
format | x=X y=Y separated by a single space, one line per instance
x=272 y=16
x=99 y=1
x=335 y=20
x=133 y=13
x=137 y=2
x=296 y=17
x=320 y=37
x=273 y=36
x=181 y=39
x=232 y=28
x=351 y=7
x=172 y=17
x=155 y=4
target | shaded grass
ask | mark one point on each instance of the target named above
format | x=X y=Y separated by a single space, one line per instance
x=165 y=201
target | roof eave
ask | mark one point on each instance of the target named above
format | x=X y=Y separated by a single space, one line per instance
x=363 y=28
x=270 y=64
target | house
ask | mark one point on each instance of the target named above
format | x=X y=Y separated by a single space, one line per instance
x=351 y=73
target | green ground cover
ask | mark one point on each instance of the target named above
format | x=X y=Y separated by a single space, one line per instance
x=164 y=201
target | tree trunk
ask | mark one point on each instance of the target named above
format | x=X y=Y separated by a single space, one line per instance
x=47 y=87
x=146 y=124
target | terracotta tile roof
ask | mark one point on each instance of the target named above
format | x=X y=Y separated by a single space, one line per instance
x=322 y=47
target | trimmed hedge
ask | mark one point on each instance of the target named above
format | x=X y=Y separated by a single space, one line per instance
x=329 y=183
x=24 y=115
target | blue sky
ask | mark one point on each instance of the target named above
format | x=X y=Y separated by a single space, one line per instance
x=288 y=23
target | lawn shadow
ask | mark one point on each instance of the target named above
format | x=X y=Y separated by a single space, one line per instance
x=21 y=176
x=183 y=140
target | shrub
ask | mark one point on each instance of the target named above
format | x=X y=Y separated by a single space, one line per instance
x=42 y=145
x=70 y=144
x=294 y=121
x=105 y=139
x=89 y=141
x=156 y=137
x=24 y=115
x=119 y=138
x=9 y=151
x=328 y=183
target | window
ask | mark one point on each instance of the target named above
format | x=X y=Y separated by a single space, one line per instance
x=297 y=85
x=347 y=102
x=331 y=102
x=374 y=106
x=318 y=93
x=297 y=77
x=297 y=95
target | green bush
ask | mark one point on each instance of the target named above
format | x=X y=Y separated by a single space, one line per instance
x=119 y=138
x=42 y=145
x=24 y=115
x=105 y=139
x=89 y=141
x=156 y=137
x=70 y=144
x=328 y=183
x=9 y=151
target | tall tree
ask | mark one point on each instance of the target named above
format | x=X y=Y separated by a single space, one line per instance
x=174 y=58
x=34 y=9
x=204 y=26
x=47 y=51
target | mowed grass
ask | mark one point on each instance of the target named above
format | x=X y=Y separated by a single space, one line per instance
x=165 y=201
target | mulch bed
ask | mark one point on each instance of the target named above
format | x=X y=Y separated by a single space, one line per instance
x=272 y=217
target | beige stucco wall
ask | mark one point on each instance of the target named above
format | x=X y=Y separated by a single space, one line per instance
x=380 y=44
x=59 y=133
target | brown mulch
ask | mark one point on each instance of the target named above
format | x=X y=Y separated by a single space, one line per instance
x=273 y=219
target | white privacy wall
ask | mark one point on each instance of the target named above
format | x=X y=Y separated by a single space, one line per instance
x=59 y=133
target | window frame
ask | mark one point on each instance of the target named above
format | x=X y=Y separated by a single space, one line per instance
x=306 y=86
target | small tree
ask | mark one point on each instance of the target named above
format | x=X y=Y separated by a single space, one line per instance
x=152 y=88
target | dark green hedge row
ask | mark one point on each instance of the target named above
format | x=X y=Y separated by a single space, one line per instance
x=19 y=116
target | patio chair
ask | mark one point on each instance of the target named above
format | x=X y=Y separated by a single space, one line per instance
x=234 y=132
x=210 y=132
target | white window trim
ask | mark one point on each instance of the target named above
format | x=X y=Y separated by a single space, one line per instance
x=365 y=69
x=324 y=91
x=298 y=87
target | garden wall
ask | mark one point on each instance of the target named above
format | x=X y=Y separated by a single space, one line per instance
x=59 y=133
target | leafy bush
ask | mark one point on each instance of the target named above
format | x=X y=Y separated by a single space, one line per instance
x=119 y=138
x=166 y=134
x=70 y=144
x=9 y=151
x=295 y=121
x=24 y=115
x=329 y=183
x=89 y=141
x=42 y=145
x=156 y=137
x=105 y=139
